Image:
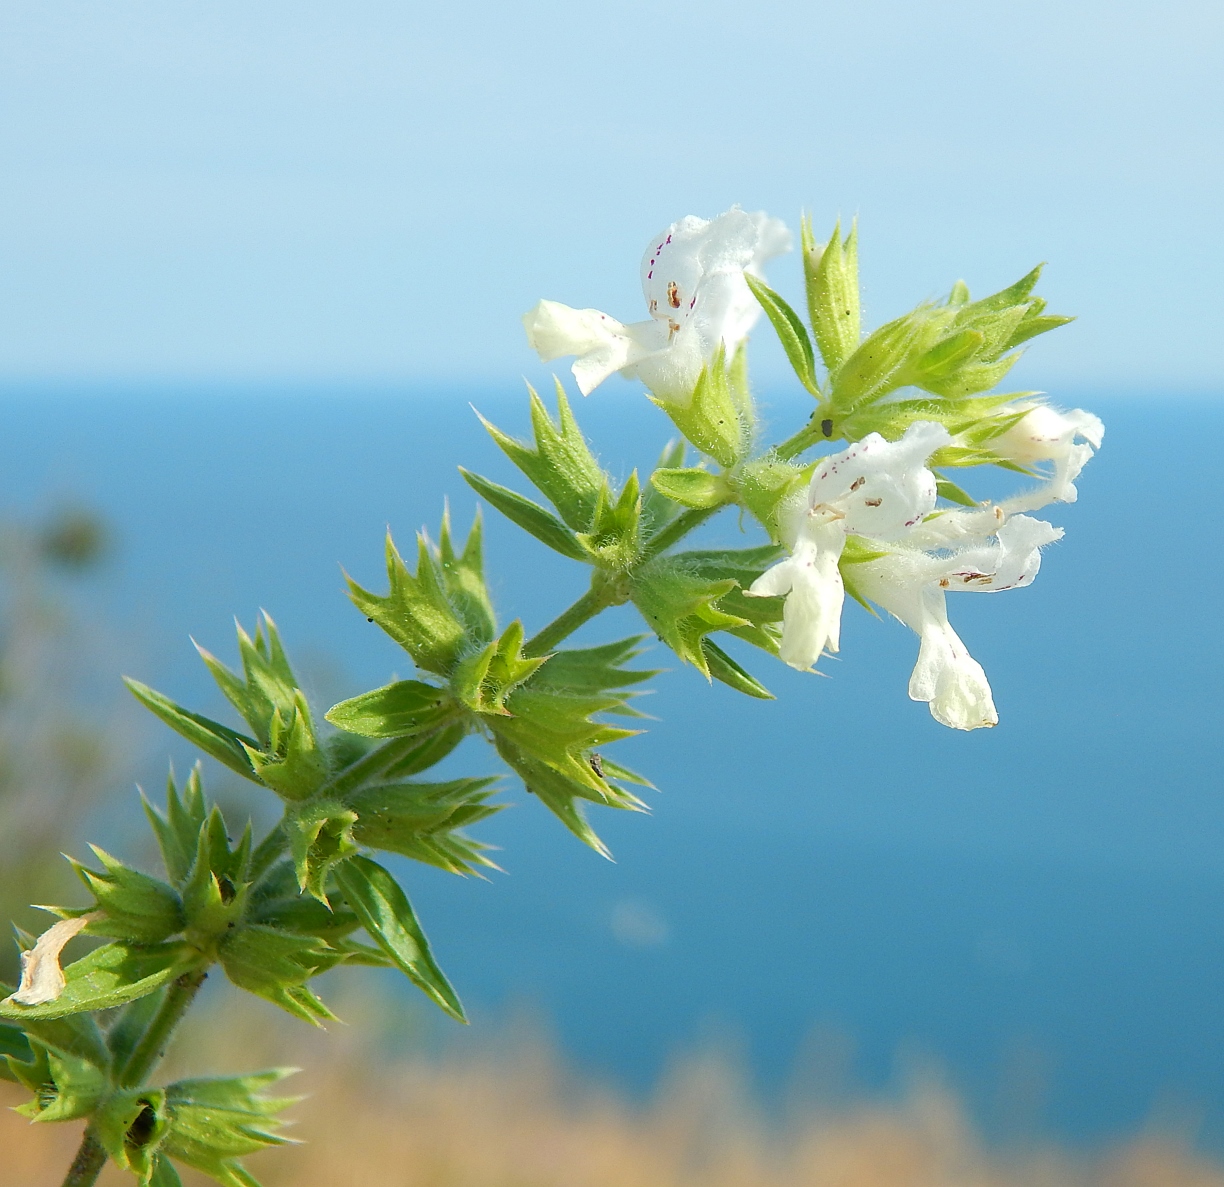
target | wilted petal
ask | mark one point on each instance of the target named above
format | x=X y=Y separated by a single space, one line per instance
x=42 y=979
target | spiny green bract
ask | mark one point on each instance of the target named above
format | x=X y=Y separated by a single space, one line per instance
x=953 y=351
x=205 y=1124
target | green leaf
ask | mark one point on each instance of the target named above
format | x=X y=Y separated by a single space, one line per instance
x=682 y=607
x=137 y=907
x=422 y=821
x=387 y=916
x=267 y=686
x=222 y=743
x=13 y=1043
x=397 y=710
x=431 y=751
x=417 y=611
x=110 y=976
x=77 y=1036
x=614 y=540
x=64 y=1087
x=692 y=487
x=723 y=667
x=531 y=517
x=463 y=577
x=792 y=333
x=712 y=419
x=178 y=829
x=561 y=465
x=320 y=835
x=831 y=273
x=126 y=1031
x=276 y=965
x=213 y=1123
x=657 y=509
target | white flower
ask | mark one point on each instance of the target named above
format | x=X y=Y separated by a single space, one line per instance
x=693 y=281
x=874 y=488
x=1046 y=435
x=911 y=585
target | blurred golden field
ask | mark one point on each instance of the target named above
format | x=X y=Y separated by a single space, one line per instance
x=514 y=1117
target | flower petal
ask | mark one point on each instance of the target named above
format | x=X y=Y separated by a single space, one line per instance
x=880 y=488
x=603 y=345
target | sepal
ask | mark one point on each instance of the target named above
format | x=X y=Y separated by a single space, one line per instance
x=483 y=681
x=767 y=485
x=561 y=464
x=614 y=540
x=267 y=688
x=682 y=607
x=293 y=764
x=715 y=419
x=135 y=906
x=64 y=1087
x=417 y=611
x=552 y=737
x=422 y=821
x=178 y=828
x=276 y=965
x=320 y=836
x=831 y=275
x=214 y=1123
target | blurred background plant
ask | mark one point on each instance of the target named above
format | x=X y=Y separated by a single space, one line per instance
x=58 y=746
x=508 y=1112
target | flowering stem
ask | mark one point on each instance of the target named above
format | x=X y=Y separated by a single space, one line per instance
x=378 y=760
x=88 y=1163
x=152 y=1045
x=679 y=527
x=599 y=597
x=90 y=1156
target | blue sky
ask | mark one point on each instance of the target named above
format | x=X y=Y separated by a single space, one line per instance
x=376 y=191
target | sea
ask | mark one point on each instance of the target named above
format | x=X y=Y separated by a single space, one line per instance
x=829 y=886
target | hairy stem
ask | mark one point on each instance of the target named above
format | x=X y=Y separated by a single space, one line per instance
x=378 y=760
x=152 y=1045
x=599 y=597
x=608 y=589
x=679 y=527
x=88 y=1163
x=90 y=1156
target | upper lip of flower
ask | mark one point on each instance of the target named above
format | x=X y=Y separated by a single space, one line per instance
x=693 y=284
